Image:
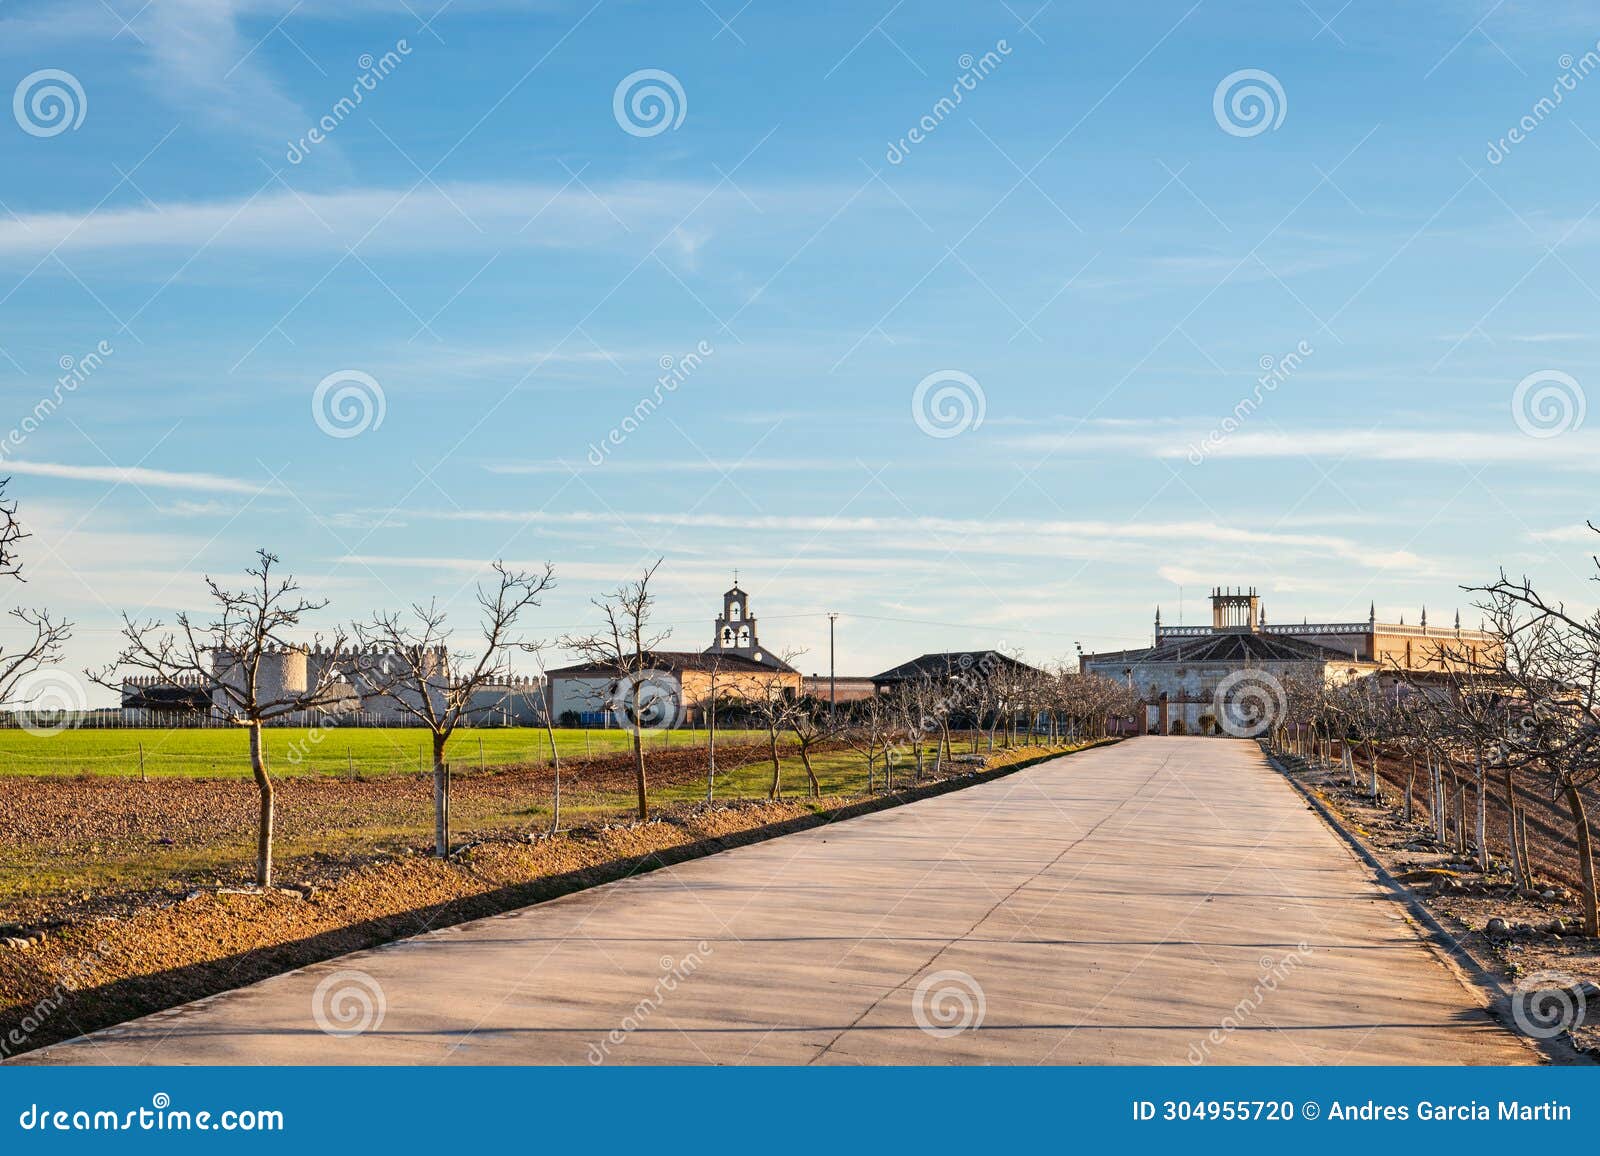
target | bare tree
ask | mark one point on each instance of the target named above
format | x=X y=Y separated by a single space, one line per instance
x=872 y=732
x=547 y=708
x=1557 y=728
x=706 y=702
x=43 y=635
x=623 y=647
x=774 y=706
x=225 y=657
x=812 y=723
x=436 y=685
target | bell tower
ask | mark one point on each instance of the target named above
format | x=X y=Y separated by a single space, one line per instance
x=735 y=630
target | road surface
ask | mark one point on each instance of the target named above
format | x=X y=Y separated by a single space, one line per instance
x=1160 y=901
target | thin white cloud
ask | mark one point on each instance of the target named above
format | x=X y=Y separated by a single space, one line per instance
x=1575 y=449
x=1579 y=532
x=425 y=218
x=137 y=476
x=989 y=537
x=683 y=466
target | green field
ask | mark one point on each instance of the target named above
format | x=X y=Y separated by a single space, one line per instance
x=216 y=753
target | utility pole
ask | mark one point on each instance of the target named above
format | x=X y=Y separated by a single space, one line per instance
x=833 y=695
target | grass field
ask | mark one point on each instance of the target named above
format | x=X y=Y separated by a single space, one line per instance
x=223 y=753
x=65 y=834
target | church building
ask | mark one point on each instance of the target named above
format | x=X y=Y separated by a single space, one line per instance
x=680 y=684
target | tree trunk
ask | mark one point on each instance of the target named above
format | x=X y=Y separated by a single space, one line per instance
x=1527 y=845
x=1514 y=841
x=1580 y=827
x=1372 y=765
x=1411 y=782
x=639 y=776
x=1482 y=817
x=1440 y=818
x=258 y=768
x=772 y=749
x=811 y=776
x=441 y=799
x=711 y=743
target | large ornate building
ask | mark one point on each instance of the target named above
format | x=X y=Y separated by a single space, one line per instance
x=1211 y=679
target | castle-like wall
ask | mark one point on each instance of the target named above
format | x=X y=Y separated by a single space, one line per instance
x=359 y=678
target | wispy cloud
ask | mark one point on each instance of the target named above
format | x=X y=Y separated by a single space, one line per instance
x=1576 y=449
x=684 y=466
x=138 y=476
x=427 y=218
x=978 y=536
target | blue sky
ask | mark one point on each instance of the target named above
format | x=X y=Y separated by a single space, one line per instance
x=1085 y=245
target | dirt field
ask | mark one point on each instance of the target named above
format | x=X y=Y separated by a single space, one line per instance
x=1539 y=933
x=135 y=893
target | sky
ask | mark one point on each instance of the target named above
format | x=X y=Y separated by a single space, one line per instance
x=1292 y=295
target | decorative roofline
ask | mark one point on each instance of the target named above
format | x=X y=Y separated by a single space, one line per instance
x=1325 y=628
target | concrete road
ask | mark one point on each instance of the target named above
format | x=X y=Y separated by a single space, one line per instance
x=1162 y=901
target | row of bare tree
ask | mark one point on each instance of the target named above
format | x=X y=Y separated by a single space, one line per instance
x=1524 y=714
x=415 y=659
